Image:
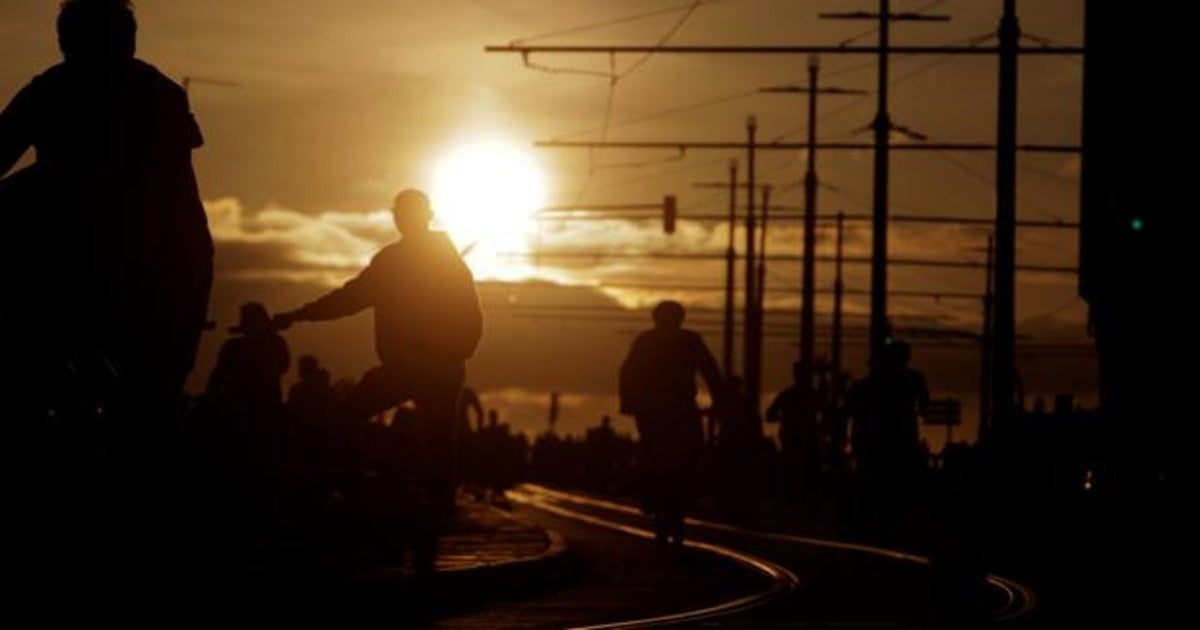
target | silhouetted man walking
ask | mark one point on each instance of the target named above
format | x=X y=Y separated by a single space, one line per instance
x=427 y=324
x=658 y=387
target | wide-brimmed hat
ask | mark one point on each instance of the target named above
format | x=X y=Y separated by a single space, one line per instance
x=254 y=318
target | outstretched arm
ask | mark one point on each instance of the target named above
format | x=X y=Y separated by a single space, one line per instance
x=354 y=296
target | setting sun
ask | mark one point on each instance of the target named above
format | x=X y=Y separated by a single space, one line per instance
x=486 y=195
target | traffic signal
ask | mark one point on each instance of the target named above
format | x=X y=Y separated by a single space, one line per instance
x=670 y=213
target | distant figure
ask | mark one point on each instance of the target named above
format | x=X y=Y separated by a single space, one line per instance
x=246 y=377
x=600 y=452
x=313 y=393
x=428 y=322
x=312 y=404
x=836 y=425
x=797 y=409
x=739 y=441
x=468 y=405
x=658 y=387
x=107 y=225
x=886 y=433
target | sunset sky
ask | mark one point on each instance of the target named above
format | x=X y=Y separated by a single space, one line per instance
x=335 y=106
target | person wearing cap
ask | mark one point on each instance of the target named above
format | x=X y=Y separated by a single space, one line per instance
x=428 y=322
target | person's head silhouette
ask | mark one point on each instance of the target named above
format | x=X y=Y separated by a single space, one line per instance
x=900 y=354
x=254 y=320
x=412 y=212
x=669 y=315
x=97 y=31
x=309 y=367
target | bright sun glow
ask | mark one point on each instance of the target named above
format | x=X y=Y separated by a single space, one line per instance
x=486 y=195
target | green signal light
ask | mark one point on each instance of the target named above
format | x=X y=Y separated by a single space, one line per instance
x=1137 y=224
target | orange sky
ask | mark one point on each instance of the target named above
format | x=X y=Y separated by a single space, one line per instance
x=342 y=103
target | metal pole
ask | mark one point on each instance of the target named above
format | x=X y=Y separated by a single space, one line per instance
x=730 y=264
x=748 y=318
x=879 y=228
x=839 y=291
x=985 y=375
x=759 y=300
x=1004 y=342
x=808 y=266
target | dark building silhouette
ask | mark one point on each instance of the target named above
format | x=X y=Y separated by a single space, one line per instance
x=427 y=324
x=658 y=387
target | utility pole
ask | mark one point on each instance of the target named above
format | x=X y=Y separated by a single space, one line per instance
x=985 y=368
x=839 y=290
x=730 y=273
x=808 y=268
x=883 y=129
x=759 y=303
x=1004 y=335
x=750 y=317
x=879 y=225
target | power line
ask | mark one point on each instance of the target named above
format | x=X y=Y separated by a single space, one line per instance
x=974 y=51
x=613 y=79
x=705 y=256
x=685 y=145
x=674 y=30
x=682 y=109
x=613 y=22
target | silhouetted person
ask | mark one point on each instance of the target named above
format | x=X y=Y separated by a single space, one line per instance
x=250 y=365
x=600 y=446
x=836 y=425
x=427 y=324
x=311 y=397
x=738 y=445
x=101 y=317
x=658 y=387
x=245 y=404
x=886 y=433
x=113 y=200
x=797 y=410
x=312 y=405
x=468 y=405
